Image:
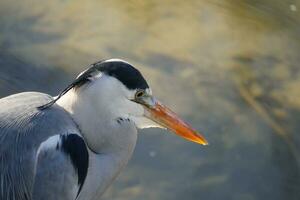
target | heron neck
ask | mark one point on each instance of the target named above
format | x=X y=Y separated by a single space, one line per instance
x=103 y=169
x=111 y=144
x=100 y=129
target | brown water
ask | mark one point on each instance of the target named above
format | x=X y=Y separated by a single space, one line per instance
x=229 y=67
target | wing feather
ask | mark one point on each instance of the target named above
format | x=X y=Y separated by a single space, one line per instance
x=34 y=157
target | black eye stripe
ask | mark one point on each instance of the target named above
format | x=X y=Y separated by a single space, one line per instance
x=124 y=72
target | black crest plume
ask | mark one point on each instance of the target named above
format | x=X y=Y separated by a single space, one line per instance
x=118 y=69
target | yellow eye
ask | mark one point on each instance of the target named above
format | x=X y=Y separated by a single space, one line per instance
x=139 y=94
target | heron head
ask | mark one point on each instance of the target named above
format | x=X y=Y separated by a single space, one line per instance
x=117 y=89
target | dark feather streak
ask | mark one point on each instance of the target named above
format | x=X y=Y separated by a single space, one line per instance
x=74 y=146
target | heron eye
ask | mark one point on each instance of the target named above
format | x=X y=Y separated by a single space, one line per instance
x=139 y=94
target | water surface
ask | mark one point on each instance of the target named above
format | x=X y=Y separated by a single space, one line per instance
x=228 y=67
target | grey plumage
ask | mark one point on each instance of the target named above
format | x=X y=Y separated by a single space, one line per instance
x=29 y=170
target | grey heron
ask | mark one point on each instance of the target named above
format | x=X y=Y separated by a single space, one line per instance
x=74 y=145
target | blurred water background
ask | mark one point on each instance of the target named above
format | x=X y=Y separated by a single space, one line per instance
x=229 y=67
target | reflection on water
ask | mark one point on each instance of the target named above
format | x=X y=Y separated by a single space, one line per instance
x=229 y=67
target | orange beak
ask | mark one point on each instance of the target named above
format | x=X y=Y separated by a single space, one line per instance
x=168 y=119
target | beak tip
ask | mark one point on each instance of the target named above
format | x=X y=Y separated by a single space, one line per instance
x=201 y=140
x=204 y=143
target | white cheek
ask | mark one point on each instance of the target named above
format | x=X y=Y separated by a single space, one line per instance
x=112 y=99
x=130 y=108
